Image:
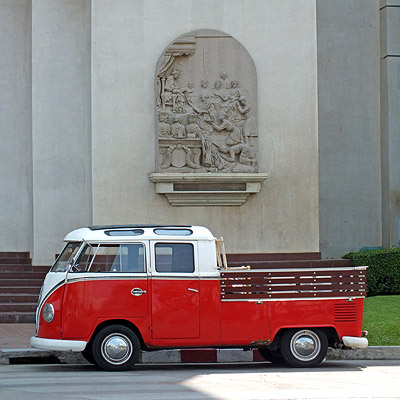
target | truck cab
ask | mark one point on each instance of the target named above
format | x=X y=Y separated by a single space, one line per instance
x=117 y=290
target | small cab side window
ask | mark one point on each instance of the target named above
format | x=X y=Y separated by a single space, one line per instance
x=113 y=258
x=174 y=257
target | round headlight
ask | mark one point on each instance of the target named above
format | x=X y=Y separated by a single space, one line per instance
x=48 y=312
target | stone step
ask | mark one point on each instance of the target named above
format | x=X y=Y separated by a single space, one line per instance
x=12 y=261
x=15 y=254
x=17 y=317
x=21 y=282
x=18 y=297
x=41 y=268
x=18 y=307
x=24 y=268
x=20 y=290
x=15 y=267
x=21 y=275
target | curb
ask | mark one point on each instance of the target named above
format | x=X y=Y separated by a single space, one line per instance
x=35 y=356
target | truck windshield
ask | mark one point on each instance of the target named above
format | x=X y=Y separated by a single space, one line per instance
x=66 y=257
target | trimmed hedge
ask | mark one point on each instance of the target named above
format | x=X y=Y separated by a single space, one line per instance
x=383 y=273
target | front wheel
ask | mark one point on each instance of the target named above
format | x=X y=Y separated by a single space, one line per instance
x=304 y=347
x=115 y=348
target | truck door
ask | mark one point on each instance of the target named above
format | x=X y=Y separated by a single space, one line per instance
x=175 y=290
x=109 y=281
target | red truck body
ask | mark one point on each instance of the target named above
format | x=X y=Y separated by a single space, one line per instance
x=117 y=290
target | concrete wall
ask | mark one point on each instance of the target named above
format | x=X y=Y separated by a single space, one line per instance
x=349 y=125
x=77 y=120
x=80 y=135
x=390 y=120
x=127 y=41
x=15 y=126
x=61 y=133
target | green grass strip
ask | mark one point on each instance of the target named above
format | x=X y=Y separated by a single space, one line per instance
x=382 y=320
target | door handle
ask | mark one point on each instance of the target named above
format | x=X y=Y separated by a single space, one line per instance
x=137 y=291
x=193 y=290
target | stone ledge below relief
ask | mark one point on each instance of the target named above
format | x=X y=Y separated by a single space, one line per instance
x=207 y=189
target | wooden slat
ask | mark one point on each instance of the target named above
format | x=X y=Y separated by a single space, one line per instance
x=278 y=273
x=269 y=288
x=294 y=288
x=274 y=281
x=292 y=295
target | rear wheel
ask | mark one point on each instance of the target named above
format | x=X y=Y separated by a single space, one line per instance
x=273 y=356
x=115 y=348
x=304 y=347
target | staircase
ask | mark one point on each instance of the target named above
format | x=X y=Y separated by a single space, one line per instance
x=20 y=284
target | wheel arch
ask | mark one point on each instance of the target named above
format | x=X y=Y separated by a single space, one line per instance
x=329 y=331
x=123 y=322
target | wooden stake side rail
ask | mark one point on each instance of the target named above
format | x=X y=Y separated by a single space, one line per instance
x=292 y=284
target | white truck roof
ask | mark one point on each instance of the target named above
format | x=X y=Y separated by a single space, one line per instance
x=127 y=233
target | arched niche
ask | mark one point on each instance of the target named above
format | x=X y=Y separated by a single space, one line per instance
x=206 y=115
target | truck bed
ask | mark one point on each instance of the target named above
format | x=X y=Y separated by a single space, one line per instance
x=248 y=283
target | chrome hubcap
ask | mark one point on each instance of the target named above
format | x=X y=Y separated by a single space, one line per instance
x=116 y=348
x=305 y=345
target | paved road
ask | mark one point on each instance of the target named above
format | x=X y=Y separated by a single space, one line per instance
x=333 y=380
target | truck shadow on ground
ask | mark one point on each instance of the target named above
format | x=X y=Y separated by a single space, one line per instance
x=256 y=367
x=257 y=380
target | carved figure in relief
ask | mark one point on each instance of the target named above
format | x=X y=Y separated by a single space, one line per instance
x=178 y=129
x=180 y=102
x=190 y=87
x=223 y=75
x=233 y=92
x=235 y=136
x=188 y=91
x=193 y=130
x=219 y=92
x=198 y=103
x=204 y=92
x=206 y=112
x=243 y=150
x=249 y=128
x=210 y=113
x=170 y=89
x=211 y=157
x=164 y=128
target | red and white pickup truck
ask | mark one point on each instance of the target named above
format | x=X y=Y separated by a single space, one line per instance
x=117 y=290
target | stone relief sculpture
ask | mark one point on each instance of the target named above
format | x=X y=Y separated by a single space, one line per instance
x=206 y=104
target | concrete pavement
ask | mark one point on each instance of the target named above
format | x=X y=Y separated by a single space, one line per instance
x=15 y=348
x=332 y=380
x=16 y=336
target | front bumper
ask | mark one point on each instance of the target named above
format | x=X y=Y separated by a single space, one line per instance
x=357 y=342
x=58 y=345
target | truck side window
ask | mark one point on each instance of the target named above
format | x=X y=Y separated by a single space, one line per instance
x=113 y=258
x=174 y=257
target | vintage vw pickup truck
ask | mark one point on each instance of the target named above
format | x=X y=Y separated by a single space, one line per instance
x=117 y=290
